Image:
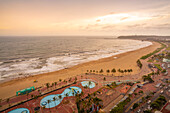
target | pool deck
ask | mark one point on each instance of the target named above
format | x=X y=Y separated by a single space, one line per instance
x=67 y=107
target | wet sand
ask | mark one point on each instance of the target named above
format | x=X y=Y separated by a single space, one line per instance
x=123 y=61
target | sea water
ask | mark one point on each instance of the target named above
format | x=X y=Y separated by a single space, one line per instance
x=24 y=56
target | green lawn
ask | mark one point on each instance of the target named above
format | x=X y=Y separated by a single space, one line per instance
x=158 y=66
x=150 y=60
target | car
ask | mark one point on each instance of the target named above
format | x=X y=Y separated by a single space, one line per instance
x=140 y=101
x=149 y=107
x=139 y=111
x=162 y=92
x=149 y=102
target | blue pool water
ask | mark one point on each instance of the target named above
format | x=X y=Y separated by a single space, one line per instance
x=86 y=83
x=20 y=110
x=48 y=101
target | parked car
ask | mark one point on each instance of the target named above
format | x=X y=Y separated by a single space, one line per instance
x=140 y=101
x=149 y=102
x=139 y=111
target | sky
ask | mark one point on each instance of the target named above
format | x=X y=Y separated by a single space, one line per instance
x=84 y=17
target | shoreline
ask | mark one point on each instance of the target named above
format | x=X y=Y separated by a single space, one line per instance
x=22 y=75
x=104 y=63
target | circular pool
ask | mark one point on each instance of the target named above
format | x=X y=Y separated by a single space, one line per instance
x=51 y=101
x=89 y=84
x=20 y=110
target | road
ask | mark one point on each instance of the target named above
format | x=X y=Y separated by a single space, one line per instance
x=145 y=106
x=127 y=109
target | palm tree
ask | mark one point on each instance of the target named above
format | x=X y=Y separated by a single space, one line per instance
x=73 y=93
x=66 y=94
x=32 y=96
x=47 y=85
x=60 y=97
x=101 y=71
x=125 y=70
x=27 y=95
x=131 y=70
x=7 y=100
x=43 y=107
x=54 y=99
x=113 y=70
x=0 y=101
x=49 y=101
x=75 y=79
x=119 y=71
x=89 y=85
x=60 y=80
x=93 y=71
x=122 y=72
x=104 y=78
x=69 y=80
x=55 y=83
x=108 y=71
x=36 y=97
x=128 y=70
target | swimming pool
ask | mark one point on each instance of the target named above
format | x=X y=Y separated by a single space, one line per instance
x=20 y=110
x=89 y=84
x=49 y=102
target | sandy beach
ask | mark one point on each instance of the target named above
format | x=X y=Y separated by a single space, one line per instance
x=123 y=61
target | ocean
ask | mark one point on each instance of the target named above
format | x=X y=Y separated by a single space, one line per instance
x=24 y=56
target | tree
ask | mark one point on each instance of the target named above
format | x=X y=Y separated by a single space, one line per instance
x=128 y=71
x=148 y=78
x=60 y=80
x=36 y=97
x=7 y=100
x=66 y=94
x=43 y=107
x=54 y=99
x=140 y=92
x=135 y=105
x=32 y=96
x=101 y=71
x=49 y=101
x=104 y=78
x=69 y=80
x=60 y=97
x=75 y=78
x=113 y=70
x=119 y=70
x=155 y=105
x=0 y=101
x=89 y=85
x=147 y=111
x=135 y=94
x=52 y=84
x=47 y=85
x=55 y=83
x=27 y=95
x=108 y=71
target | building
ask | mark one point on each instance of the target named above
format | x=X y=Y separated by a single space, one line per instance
x=25 y=91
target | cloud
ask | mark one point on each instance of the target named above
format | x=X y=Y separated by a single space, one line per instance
x=98 y=20
x=165 y=26
x=124 y=18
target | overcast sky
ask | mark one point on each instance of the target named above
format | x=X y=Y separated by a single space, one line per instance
x=84 y=17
